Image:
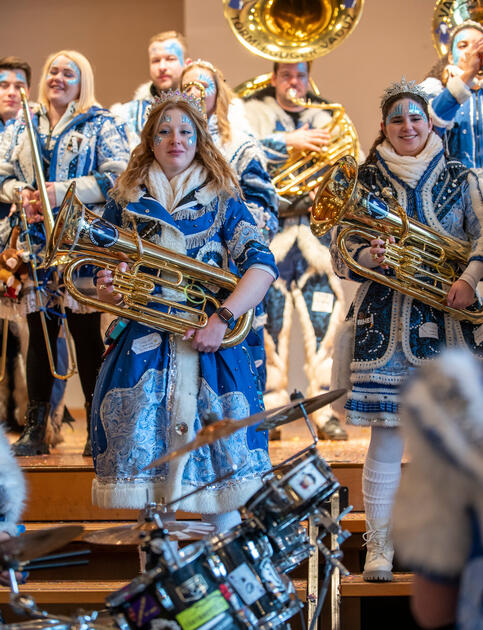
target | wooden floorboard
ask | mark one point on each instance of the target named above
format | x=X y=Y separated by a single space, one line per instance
x=354 y=586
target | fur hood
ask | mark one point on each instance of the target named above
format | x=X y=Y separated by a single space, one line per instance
x=12 y=488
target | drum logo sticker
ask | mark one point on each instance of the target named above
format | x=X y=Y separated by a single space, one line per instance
x=307 y=482
x=143 y=610
x=246 y=584
x=208 y=609
x=193 y=589
x=270 y=577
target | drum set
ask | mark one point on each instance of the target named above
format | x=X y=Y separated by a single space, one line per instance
x=233 y=580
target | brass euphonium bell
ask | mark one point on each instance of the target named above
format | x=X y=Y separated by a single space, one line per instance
x=425 y=262
x=90 y=240
x=447 y=15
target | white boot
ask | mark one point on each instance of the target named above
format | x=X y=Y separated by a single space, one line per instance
x=380 y=552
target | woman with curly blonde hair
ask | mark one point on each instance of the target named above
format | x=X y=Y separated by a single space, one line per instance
x=155 y=388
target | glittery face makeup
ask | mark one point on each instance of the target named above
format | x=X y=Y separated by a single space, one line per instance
x=63 y=81
x=187 y=121
x=205 y=78
x=407 y=127
x=166 y=60
x=10 y=83
x=172 y=47
x=174 y=143
x=462 y=41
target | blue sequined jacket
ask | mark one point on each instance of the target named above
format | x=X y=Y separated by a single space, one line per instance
x=457 y=113
x=448 y=199
x=90 y=148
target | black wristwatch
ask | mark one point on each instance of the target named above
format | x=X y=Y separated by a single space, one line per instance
x=225 y=315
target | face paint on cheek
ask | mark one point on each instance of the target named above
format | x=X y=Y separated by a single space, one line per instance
x=414 y=108
x=210 y=84
x=76 y=78
x=173 y=48
x=158 y=138
x=187 y=121
x=397 y=111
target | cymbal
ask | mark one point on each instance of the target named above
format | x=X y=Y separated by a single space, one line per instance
x=213 y=432
x=294 y=412
x=36 y=544
x=135 y=534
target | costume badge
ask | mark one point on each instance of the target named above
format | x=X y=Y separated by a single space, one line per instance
x=76 y=142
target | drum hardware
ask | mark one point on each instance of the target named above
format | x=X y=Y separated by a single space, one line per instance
x=425 y=262
x=19 y=549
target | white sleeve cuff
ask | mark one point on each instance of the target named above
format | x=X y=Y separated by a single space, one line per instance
x=473 y=273
x=7 y=193
x=264 y=268
x=87 y=190
x=458 y=89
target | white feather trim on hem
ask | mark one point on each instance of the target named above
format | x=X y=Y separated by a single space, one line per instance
x=136 y=495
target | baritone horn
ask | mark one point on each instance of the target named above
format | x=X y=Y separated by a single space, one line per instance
x=425 y=262
x=90 y=240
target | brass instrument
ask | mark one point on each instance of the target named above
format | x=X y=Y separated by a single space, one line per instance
x=40 y=304
x=3 y=356
x=447 y=15
x=187 y=87
x=48 y=219
x=292 y=30
x=89 y=240
x=426 y=263
x=302 y=172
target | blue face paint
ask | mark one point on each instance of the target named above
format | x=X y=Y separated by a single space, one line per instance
x=76 y=78
x=210 y=89
x=20 y=76
x=165 y=118
x=187 y=121
x=163 y=133
x=397 y=111
x=172 y=47
x=417 y=110
x=3 y=76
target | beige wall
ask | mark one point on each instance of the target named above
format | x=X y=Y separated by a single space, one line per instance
x=113 y=34
x=393 y=38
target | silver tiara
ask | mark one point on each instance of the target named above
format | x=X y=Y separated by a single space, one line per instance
x=403 y=87
x=176 y=96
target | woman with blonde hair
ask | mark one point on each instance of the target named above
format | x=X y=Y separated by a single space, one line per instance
x=155 y=388
x=78 y=141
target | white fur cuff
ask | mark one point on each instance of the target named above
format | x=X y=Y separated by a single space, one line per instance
x=458 y=89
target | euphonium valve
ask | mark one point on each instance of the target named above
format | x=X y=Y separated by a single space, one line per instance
x=425 y=262
x=162 y=289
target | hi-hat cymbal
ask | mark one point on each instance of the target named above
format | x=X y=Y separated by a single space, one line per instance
x=294 y=412
x=36 y=544
x=135 y=534
x=214 y=431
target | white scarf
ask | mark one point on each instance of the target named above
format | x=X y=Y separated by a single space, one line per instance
x=169 y=192
x=407 y=167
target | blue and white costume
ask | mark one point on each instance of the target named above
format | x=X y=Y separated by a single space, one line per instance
x=438 y=513
x=134 y=113
x=89 y=148
x=394 y=333
x=153 y=388
x=306 y=280
x=457 y=113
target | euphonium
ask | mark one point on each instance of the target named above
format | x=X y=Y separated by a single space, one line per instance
x=303 y=171
x=425 y=262
x=89 y=240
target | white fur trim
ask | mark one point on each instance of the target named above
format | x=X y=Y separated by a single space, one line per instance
x=12 y=487
x=440 y=122
x=458 y=89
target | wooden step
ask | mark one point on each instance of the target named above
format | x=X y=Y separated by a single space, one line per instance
x=354 y=586
x=87 y=592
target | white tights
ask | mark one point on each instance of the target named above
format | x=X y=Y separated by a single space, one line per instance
x=381 y=474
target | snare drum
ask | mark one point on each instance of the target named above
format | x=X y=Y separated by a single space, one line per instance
x=241 y=557
x=187 y=597
x=291 y=494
